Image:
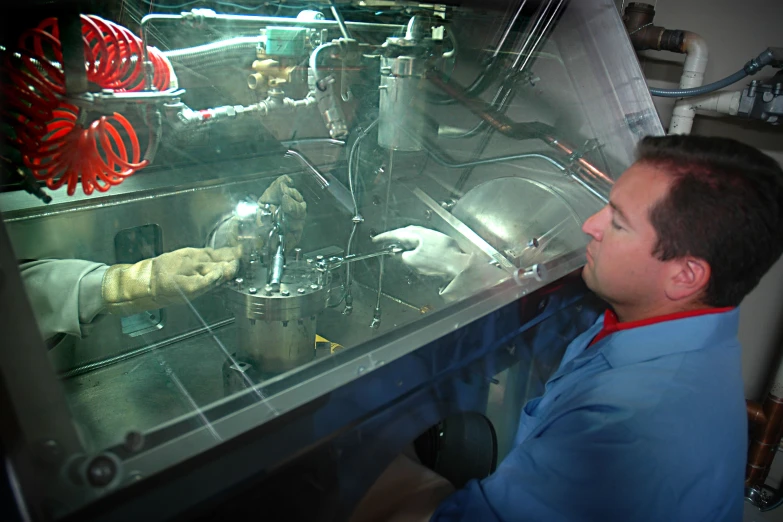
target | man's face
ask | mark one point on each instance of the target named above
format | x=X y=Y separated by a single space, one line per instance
x=620 y=266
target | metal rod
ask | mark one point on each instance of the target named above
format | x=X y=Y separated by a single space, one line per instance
x=70 y=26
x=339 y=18
x=357 y=218
x=376 y=318
x=541 y=36
x=507 y=32
x=319 y=177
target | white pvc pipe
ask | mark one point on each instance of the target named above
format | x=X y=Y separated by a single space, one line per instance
x=722 y=102
x=692 y=76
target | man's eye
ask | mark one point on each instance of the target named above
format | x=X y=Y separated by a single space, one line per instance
x=616 y=226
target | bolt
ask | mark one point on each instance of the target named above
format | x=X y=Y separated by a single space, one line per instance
x=533 y=243
x=313 y=287
x=297 y=254
x=252 y=290
x=360 y=370
x=268 y=290
x=285 y=293
x=300 y=290
x=319 y=258
x=428 y=214
x=239 y=280
x=101 y=471
x=134 y=441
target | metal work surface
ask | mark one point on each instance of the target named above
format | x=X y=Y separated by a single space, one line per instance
x=144 y=392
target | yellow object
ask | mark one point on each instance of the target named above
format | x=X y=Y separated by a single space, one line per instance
x=172 y=278
x=334 y=347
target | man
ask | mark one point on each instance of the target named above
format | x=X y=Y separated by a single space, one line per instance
x=645 y=418
x=68 y=295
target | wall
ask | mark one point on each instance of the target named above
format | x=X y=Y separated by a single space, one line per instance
x=735 y=32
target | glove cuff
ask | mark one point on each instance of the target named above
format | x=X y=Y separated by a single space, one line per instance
x=125 y=290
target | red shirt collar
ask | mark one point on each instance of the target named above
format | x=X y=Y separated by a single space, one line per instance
x=612 y=325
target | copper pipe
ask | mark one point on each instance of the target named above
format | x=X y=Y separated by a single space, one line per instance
x=638 y=19
x=506 y=126
x=755 y=413
x=765 y=441
x=589 y=167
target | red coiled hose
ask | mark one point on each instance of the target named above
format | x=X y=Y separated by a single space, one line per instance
x=54 y=144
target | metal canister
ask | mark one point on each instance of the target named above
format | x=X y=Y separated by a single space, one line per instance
x=276 y=327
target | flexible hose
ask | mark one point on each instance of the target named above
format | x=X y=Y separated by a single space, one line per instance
x=750 y=68
x=216 y=52
x=54 y=143
x=697 y=91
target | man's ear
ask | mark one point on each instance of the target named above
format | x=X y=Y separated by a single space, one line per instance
x=688 y=279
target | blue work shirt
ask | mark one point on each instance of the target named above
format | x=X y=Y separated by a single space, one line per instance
x=647 y=424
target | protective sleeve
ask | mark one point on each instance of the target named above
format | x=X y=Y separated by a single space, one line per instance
x=65 y=294
x=587 y=466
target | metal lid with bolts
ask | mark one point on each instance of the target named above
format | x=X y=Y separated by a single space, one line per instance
x=301 y=294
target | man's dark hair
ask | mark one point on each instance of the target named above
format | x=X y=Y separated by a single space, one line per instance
x=725 y=205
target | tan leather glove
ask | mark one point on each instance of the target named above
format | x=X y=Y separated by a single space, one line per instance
x=281 y=193
x=172 y=278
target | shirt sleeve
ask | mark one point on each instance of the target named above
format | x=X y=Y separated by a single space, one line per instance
x=586 y=466
x=65 y=294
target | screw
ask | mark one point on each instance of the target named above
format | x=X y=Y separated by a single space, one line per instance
x=101 y=471
x=360 y=370
x=300 y=290
x=319 y=258
x=285 y=293
x=252 y=290
x=239 y=280
x=313 y=287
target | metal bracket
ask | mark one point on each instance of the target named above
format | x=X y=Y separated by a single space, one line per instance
x=589 y=146
x=109 y=98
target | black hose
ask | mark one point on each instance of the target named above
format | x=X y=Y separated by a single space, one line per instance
x=209 y=54
x=750 y=68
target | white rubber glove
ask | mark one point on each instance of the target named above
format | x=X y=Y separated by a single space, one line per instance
x=433 y=253
x=172 y=278
x=281 y=193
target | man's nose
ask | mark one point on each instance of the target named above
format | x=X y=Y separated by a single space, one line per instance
x=594 y=226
